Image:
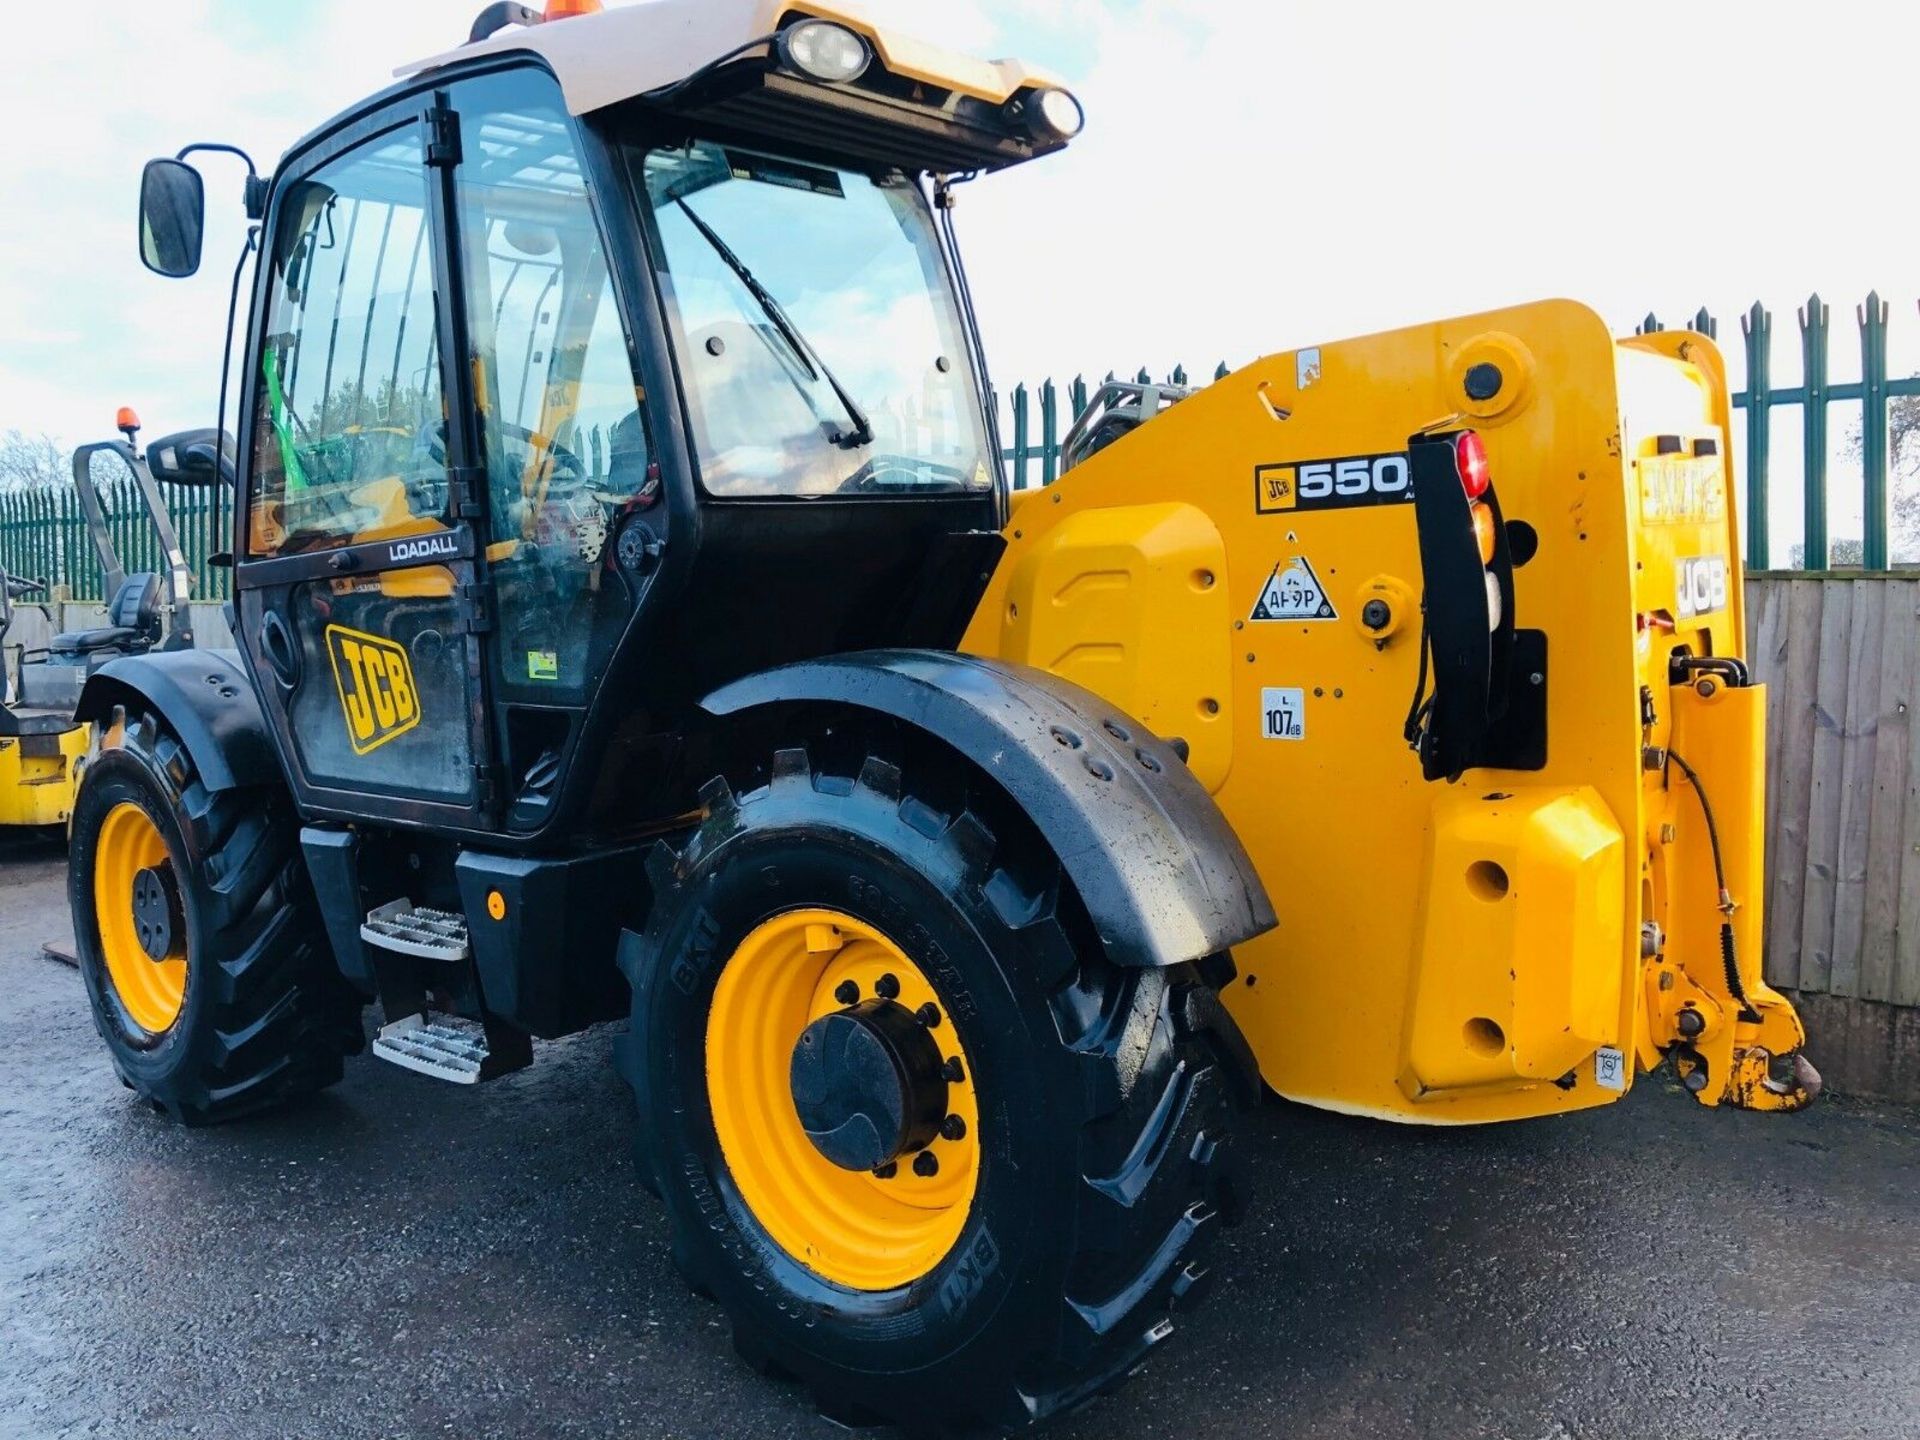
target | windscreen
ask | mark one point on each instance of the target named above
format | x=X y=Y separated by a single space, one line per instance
x=819 y=339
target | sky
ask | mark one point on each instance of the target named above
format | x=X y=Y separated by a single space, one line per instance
x=1256 y=175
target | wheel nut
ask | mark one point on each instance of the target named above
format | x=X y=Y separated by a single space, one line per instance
x=887 y=987
x=926 y=1164
x=953 y=1071
x=928 y=1015
x=886 y=1171
x=953 y=1128
x=847 y=993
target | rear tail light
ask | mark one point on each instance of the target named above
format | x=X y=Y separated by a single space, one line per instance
x=1470 y=454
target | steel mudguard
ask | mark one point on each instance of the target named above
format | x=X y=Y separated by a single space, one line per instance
x=1162 y=874
x=205 y=698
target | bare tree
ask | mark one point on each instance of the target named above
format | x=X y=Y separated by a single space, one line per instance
x=1903 y=477
x=1903 y=459
x=31 y=460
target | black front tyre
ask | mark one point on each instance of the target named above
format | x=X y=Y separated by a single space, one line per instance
x=199 y=941
x=1097 y=1094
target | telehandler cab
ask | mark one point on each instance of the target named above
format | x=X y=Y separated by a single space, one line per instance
x=634 y=621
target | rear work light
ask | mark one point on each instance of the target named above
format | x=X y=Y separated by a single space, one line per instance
x=1059 y=113
x=1470 y=454
x=824 y=51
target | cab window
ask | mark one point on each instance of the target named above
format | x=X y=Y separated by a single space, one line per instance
x=349 y=426
x=818 y=334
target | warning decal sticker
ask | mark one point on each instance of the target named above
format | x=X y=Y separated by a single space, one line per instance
x=1293 y=592
x=1283 y=712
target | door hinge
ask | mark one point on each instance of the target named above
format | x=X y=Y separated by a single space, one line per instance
x=486 y=786
x=474 y=618
x=467 y=492
x=443 y=136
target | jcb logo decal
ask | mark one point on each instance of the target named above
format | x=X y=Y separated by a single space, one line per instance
x=1702 y=583
x=375 y=681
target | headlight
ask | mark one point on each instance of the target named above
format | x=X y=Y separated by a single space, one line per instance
x=825 y=51
x=1056 y=114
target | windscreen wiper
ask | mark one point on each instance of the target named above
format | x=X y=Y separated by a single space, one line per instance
x=862 y=432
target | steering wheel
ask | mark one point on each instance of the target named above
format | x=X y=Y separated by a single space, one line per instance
x=562 y=458
x=901 y=474
x=20 y=589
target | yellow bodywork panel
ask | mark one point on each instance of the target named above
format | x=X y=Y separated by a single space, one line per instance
x=1128 y=601
x=1243 y=573
x=40 y=774
x=1510 y=875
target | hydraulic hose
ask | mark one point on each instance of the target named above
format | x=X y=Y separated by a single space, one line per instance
x=1728 y=955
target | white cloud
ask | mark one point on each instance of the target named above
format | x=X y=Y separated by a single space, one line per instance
x=1261 y=175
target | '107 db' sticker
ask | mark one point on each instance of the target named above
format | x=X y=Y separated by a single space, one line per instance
x=1332 y=484
x=1283 y=712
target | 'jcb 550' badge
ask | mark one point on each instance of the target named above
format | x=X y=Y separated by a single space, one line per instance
x=375 y=680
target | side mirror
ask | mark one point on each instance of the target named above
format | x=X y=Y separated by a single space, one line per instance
x=173 y=206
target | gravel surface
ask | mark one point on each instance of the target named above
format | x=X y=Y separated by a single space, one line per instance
x=401 y=1257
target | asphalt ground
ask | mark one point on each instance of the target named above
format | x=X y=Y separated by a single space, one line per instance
x=402 y=1257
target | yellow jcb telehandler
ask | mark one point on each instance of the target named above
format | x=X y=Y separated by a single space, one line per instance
x=634 y=623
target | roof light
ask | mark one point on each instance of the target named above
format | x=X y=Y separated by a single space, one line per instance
x=567 y=9
x=125 y=419
x=825 y=51
x=1470 y=455
x=1058 y=114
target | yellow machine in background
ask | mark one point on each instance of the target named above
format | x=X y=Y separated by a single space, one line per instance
x=43 y=746
x=42 y=753
x=1245 y=573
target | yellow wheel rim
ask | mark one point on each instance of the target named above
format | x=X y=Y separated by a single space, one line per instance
x=151 y=991
x=853 y=1228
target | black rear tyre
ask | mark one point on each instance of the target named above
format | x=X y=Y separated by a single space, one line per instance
x=263 y=1015
x=1102 y=1105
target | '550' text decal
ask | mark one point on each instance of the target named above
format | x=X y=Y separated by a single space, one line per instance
x=1332 y=484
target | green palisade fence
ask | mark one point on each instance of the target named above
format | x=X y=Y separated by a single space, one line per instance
x=43 y=535
x=1034 y=454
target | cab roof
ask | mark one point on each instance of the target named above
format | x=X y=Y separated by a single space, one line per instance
x=617 y=54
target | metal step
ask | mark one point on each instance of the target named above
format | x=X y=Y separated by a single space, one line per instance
x=443 y=1046
x=407 y=929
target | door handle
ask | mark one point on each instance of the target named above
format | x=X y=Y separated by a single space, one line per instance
x=282 y=654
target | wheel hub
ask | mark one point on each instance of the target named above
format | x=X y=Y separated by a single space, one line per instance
x=868 y=1084
x=156 y=911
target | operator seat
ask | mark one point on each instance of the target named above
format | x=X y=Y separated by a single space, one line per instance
x=133 y=621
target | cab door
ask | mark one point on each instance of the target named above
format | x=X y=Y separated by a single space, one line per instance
x=359 y=578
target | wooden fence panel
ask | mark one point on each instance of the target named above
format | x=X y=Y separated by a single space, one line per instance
x=1841 y=660
x=1893 y=739
x=1793 y=669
